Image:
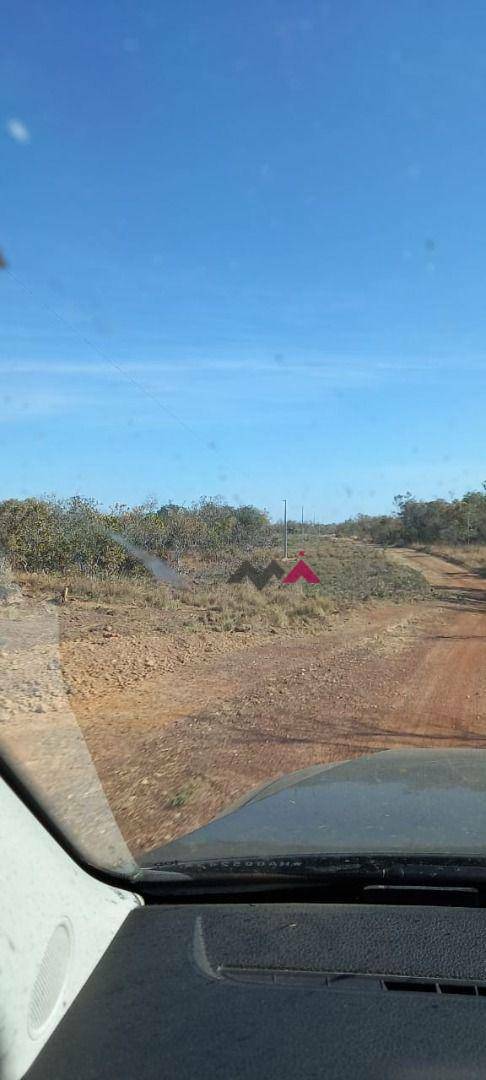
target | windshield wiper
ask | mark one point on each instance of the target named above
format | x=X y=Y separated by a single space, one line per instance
x=347 y=877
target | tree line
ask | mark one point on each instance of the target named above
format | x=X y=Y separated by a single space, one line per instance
x=418 y=521
x=51 y=534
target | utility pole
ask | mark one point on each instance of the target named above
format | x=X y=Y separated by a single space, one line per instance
x=286 y=544
x=303 y=534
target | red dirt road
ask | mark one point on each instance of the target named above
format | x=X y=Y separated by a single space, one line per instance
x=181 y=725
x=178 y=748
x=444 y=697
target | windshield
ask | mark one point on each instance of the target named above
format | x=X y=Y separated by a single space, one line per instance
x=242 y=494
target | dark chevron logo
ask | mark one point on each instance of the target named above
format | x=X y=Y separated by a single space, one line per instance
x=260 y=578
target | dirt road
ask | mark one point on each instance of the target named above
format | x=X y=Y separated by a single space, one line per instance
x=444 y=697
x=176 y=748
x=181 y=726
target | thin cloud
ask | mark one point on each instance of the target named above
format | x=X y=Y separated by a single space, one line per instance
x=166 y=377
x=18 y=130
x=332 y=369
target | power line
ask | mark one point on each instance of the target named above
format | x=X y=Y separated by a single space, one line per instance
x=141 y=387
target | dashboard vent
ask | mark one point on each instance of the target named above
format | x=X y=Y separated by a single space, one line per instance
x=431 y=987
x=349 y=981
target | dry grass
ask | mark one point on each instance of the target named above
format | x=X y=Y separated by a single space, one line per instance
x=215 y=607
x=124 y=590
x=239 y=607
x=473 y=556
x=349 y=573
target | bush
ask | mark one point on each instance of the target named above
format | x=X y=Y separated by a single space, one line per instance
x=56 y=535
x=415 y=521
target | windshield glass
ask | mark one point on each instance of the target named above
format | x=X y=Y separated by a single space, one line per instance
x=242 y=497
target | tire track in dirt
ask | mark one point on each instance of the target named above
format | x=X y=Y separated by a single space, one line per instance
x=176 y=746
x=174 y=751
x=408 y=676
x=445 y=694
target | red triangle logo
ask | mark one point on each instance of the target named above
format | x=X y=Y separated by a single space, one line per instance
x=301 y=570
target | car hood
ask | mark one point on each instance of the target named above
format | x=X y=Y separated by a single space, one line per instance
x=405 y=801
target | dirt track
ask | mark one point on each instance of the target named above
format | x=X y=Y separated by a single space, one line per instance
x=181 y=726
x=444 y=697
x=176 y=748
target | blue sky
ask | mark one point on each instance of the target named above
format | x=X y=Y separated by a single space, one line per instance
x=246 y=251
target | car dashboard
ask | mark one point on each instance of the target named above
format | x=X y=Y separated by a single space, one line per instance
x=280 y=990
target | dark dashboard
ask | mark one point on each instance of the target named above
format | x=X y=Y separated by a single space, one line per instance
x=281 y=990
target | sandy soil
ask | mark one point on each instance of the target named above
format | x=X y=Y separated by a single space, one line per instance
x=180 y=727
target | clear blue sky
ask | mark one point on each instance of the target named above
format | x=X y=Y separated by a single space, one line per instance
x=271 y=217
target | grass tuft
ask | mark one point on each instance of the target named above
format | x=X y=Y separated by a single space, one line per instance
x=349 y=573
